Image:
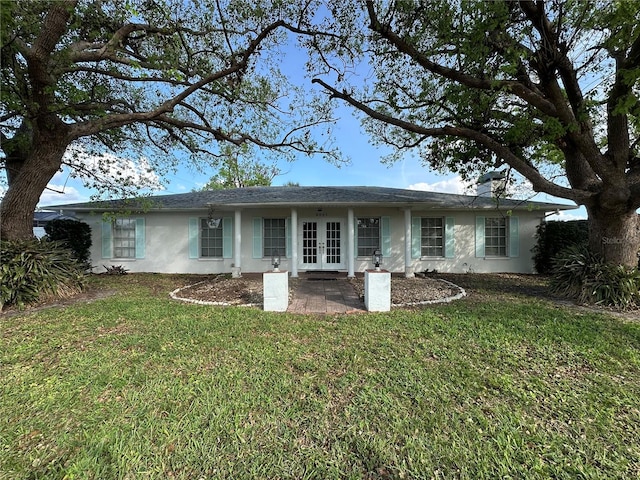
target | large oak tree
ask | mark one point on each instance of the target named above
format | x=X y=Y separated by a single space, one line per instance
x=141 y=77
x=541 y=87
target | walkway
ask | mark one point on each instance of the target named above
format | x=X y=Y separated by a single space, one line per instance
x=324 y=293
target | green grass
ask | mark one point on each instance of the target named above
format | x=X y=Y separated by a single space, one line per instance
x=138 y=386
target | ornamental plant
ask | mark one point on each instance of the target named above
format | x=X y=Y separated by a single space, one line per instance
x=32 y=271
x=579 y=274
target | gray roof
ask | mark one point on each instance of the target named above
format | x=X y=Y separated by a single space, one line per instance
x=46 y=216
x=308 y=196
x=41 y=218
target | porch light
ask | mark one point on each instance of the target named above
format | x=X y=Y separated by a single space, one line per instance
x=275 y=261
x=377 y=259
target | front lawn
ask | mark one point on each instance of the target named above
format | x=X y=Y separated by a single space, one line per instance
x=139 y=386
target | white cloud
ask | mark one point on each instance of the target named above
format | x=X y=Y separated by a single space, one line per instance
x=88 y=169
x=109 y=168
x=565 y=216
x=57 y=194
x=452 y=185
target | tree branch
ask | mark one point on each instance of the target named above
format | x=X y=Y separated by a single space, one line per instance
x=514 y=87
x=540 y=184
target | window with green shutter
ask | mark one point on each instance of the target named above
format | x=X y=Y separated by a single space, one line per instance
x=497 y=237
x=123 y=238
x=432 y=237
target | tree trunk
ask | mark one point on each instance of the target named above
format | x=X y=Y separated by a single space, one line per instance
x=614 y=235
x=28 y=181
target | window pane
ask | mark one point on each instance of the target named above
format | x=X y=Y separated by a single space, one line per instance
x=124 y=238
x=211 y=237
x=495 y=241
x=432 y=237
x=368 y=236
x=274 y=238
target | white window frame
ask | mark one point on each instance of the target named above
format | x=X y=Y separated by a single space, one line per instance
x=119 y=226
x=204 y=226
x=369 y=245
x=496 y=245
x=423 y=237
x=268 y=247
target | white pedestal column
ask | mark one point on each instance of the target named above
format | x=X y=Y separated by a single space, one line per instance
x=377 y=290
x=275 y=290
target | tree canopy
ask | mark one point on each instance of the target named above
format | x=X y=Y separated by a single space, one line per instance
x=143 y=79
x=545 y=88
x=239 y=168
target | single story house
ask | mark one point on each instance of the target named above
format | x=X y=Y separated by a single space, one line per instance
x=314 y=228
x=41 y=218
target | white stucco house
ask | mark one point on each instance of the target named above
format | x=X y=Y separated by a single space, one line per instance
x=314 y=228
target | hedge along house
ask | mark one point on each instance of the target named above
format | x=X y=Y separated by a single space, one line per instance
x=314 y=228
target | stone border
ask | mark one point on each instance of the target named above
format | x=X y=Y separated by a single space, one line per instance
x=174 y=296
x=462 y=294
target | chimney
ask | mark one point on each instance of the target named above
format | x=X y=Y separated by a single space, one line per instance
x=492 y=184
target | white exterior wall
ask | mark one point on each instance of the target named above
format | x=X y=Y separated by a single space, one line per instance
x=465 y=260
x=167 y=242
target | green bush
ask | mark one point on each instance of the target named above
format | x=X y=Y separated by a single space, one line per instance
x=37 y=270
x=553 y=237
x=73 y=234
x=578 y=273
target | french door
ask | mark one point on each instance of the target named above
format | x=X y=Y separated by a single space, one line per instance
x=322 y=245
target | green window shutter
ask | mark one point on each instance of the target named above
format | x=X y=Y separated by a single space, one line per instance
x=385 y=233
x=355 y=238
x=514 y=239
x=257 y=237
x=140 y=237
x=194 y=237
x=479 y=236
x=287 y=232
x=449 y=237
x=227 y=237
x=107 y=246
x=416 y=237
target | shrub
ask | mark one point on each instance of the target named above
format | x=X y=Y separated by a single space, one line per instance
x=73 y=234
x=579 y=274
x=115 y=270
x=36 y=270
x=553 y=237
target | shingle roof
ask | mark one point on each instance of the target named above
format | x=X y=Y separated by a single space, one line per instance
x=309 y=196
x=41 y=218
